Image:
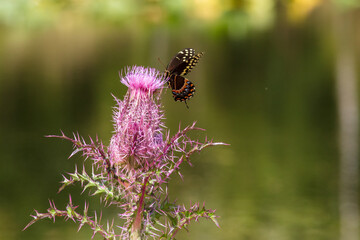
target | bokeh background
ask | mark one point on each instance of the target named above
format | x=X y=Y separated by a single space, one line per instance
x=269 y=84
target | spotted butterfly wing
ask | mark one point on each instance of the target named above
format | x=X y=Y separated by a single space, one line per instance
x=183 y=62
x=180 y=65
x=182 y=88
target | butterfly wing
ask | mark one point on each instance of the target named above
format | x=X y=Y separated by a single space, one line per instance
x=182 y=63
x=182 y=88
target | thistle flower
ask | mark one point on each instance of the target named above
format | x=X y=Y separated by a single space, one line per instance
x=133 y=171
x=137 y=122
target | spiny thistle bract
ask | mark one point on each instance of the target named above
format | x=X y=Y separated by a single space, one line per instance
x=132 y=173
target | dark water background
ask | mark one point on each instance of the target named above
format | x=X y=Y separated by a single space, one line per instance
x=267 y=91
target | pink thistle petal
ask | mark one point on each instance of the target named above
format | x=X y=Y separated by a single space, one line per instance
x=145 y=79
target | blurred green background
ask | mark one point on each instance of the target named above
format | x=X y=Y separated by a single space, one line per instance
x=266 y=85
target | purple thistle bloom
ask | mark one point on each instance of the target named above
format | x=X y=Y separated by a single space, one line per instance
x=143 y=79
x=133 y=171
x=137 y=121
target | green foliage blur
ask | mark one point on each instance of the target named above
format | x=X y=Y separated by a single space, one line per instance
x=265 y=85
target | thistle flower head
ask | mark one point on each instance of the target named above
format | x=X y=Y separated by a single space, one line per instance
x=142 y=79
x=137 y=121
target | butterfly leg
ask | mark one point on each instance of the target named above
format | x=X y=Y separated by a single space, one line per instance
x=186 y=104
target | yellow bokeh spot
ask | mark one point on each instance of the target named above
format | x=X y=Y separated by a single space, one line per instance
x=298 y=9
x=261 y=13
x=208 y=10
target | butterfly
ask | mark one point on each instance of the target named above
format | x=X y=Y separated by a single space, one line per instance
x=180 y=65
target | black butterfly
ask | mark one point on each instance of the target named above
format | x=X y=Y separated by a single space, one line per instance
x=180 y=65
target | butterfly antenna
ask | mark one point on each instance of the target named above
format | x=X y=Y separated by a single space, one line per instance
x=165 y=73
x=161 y=63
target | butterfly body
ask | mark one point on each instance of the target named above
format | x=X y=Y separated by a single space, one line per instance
x=179 y=66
